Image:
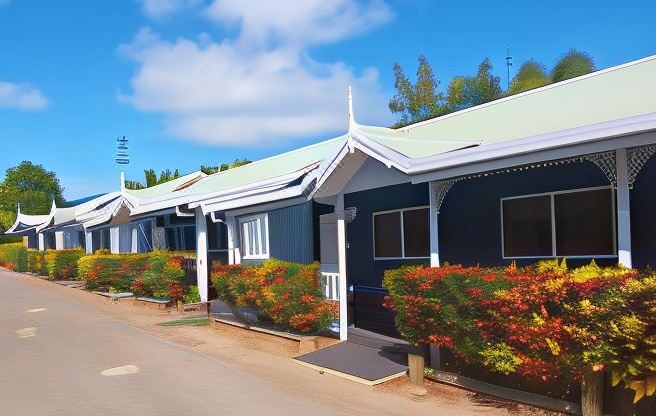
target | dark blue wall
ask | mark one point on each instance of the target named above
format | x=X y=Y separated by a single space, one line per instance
x=362 y=269
x=643 y=216
x=470 y=217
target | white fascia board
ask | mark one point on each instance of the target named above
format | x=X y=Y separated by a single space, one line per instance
x=172 y=200
x=262 y=207
x=254 y=199
x=550 y=146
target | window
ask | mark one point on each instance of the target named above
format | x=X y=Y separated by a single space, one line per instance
x=100 y=239
x=577 y=223
x=255 y=236
x=402 y=234
x=181 y=238
x=217 y=236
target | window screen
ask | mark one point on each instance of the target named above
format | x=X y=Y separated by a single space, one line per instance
x=416 y=233
x=387 y=235
x=527 y=227
x=254 y=238
x=584 y=223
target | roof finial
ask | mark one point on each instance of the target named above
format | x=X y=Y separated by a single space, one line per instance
x=351 y=119
x=122 y=181
x=54 y=205
x=19 y=208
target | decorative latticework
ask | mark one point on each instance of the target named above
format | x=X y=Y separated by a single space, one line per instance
x=636 y=159
x=441 y=188
x=607 y=163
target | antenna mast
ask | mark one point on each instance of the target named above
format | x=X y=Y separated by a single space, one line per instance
x=508 y=63
x=122 y=155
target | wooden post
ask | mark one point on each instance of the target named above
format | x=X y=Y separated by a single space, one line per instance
x=416 y=369
x=592 y=393
x=180 y=306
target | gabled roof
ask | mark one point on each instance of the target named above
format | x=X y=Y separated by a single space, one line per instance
x=25 y=223
x=166 y=187
x=583 y=109
x=260 y=177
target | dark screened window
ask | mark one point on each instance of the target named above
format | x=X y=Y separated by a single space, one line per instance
x=387 y=235
x=402 y=234
x=527 y=227
x=217 y=236
x=415 y=233
x=584 y=223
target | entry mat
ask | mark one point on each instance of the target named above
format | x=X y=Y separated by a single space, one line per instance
x=361 y=363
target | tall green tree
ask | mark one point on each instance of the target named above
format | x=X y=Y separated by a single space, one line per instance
x=33 y=187
x=572 y=64
x=418 y=101
x=530 y=75
x=151 y=177
x=469 y=91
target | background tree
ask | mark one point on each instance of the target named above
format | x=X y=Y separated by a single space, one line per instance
x=33 y=187
x=482 y=87
x=572 y=64
x=417 y=101
x=531 y=74
x=209 y=170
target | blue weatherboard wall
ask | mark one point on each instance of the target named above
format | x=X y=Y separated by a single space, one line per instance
x=362 y=269
x=291 y=234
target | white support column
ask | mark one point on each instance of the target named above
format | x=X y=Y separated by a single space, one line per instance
x=234 y=254
x=88 y=242
x=341 y=259
x=201 y=254
x=623 y=210
x=114 y=239
x=59 y=240
x=42 y=242
x=434 y=217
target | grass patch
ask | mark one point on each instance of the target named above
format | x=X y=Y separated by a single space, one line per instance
x=187 y=321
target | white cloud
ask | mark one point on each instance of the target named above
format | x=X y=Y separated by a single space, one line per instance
x=160 y=9
x=22 y=96
x=262 y=85
x=300 y=21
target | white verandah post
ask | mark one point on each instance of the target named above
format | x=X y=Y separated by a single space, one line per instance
x=623 y=209
x=341 y=260
x=434 y=216
x=201 y=254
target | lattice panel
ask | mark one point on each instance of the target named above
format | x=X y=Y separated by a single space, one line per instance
x=606 y=162
x=636 y=159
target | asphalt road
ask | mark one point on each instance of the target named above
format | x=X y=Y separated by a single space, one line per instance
x=53 y=351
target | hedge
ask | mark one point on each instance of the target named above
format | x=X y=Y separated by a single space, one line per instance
x=13 y=256
x=544 y=322
x=287 y=294
x=157 y=274
x=62 y=264
x=36 y=263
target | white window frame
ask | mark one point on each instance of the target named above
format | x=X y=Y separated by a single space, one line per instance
x=263 y=243
x=401 y=211
x=553 y=224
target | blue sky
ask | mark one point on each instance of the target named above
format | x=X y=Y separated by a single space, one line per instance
x=194 y=82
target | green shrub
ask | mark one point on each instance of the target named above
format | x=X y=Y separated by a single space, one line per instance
x=156 y=274
x=13 y=256
x=36 y=263
x=286 y=294
x=111 y=271
x=62 y=264
x=192 y=296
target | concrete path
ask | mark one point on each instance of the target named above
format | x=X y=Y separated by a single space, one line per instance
x=61 y=357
